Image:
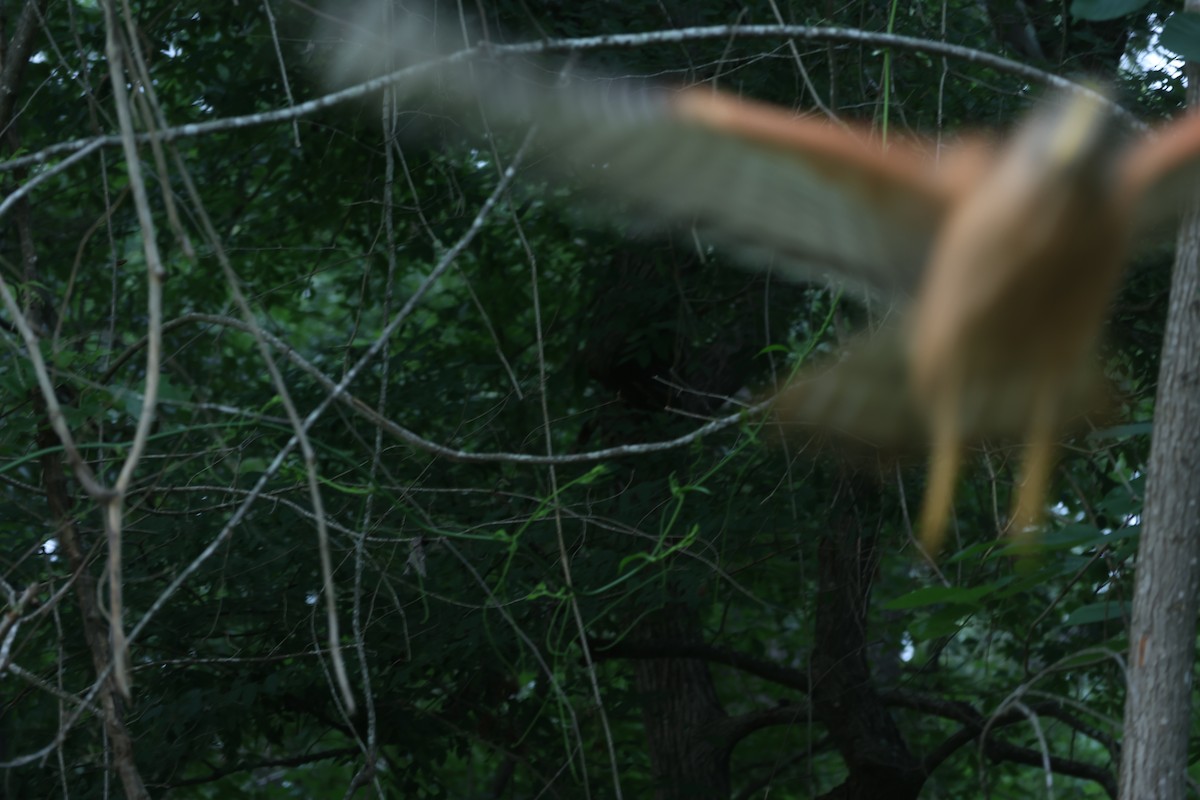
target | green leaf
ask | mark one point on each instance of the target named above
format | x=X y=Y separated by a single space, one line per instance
x=1181 y=35
x=1119 y=502
x=979 y=549
x=171 y=392
x=946 y=622
x=343 y=487
x=1072 y=536
x=1128 y=532
x=1122 y=431
x=931 y=595
x=1026 y=582
x=252 y=465
x=133 y=403
x=1104 y=9
x=1097 y=612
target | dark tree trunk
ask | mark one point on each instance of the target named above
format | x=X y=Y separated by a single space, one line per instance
x=1163 y=632
x=15 y=53
x=95 y=625
x=843 y=695
x=679 y=704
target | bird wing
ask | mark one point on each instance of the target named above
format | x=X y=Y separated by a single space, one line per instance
x=1162 y=173
x=780 y=190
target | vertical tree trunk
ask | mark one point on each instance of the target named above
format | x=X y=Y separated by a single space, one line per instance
x=14 y=56
x=95 y=625
x=679 y=703
x=878 y=761
x=1163 y=635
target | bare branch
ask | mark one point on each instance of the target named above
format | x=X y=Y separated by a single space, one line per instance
x=583 y=44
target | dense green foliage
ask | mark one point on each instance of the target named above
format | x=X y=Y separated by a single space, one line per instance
x=503 y=621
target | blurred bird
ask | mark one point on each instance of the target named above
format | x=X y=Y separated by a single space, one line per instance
x=1001 y=257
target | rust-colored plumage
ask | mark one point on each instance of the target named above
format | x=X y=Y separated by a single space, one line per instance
x=1002 y=258
x=1020 y=265
x=1018 y=283
x=1018 y=269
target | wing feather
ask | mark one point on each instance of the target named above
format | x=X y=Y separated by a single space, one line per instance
x=1162 y=173
x=783 y=191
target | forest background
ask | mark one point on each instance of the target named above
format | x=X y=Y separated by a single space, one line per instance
x=555 y=554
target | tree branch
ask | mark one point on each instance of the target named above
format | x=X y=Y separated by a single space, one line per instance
x=246 y=766
x=633 y=649
x=583 y=44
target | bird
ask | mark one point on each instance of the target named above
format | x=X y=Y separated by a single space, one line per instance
x=1023 y=248
x=1001 y=255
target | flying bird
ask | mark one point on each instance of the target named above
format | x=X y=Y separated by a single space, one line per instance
x=1001 y=256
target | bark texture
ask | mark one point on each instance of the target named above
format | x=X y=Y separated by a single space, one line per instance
x=679 y=708
x=1163 y=633
x=844 y=698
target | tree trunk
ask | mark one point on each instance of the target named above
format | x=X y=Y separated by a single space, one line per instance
x=95 y=625
x=679 y=703
x=1163 y=633
x=878 y=761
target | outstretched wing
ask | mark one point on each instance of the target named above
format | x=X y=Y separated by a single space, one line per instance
x=1162 y=173
x=781 y=190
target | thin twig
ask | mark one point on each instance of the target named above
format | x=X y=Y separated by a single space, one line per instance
x=114 y=504
x=419 y=442
x=368 y=357
x=835 y=35
x=283 y=76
